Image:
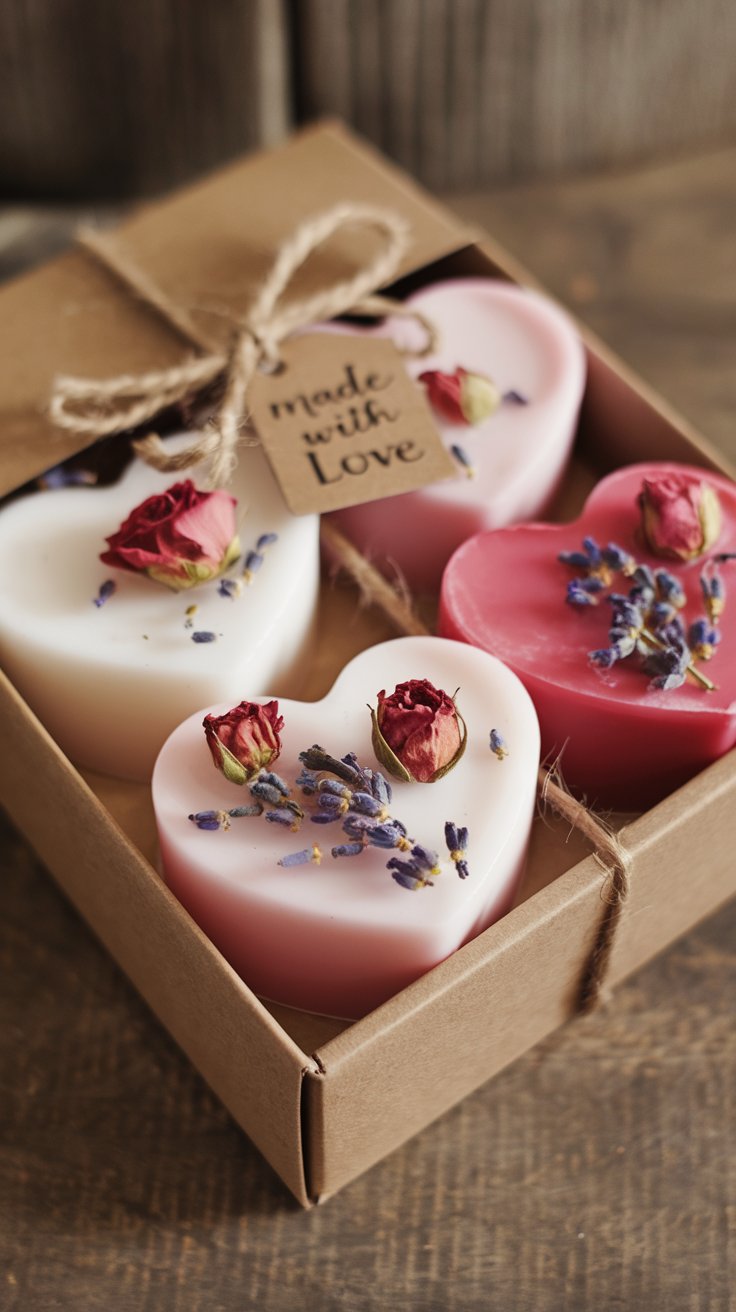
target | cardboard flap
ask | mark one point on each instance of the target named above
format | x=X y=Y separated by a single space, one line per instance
x=208 y=247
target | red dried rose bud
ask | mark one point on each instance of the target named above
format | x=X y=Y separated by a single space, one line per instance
x=418 y=733
x=680 y=516
x=180 y=537
x=245 y=740
x=462 y=397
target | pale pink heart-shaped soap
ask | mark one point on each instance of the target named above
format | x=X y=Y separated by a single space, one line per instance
x=341 y=937
x=525 y=344
x=625 y=744
x=111 y=682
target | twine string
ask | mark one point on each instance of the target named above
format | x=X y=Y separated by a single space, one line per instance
x=99 y=407
x=607 y=847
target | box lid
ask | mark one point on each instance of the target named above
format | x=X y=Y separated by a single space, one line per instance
x=207 y=246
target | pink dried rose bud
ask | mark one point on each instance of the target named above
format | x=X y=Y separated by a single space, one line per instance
x=680 y=516
x=180 y=537
x=418 y=732
x=461 y=397
x=245 y=740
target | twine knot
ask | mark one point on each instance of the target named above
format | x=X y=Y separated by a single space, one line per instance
x=98 y=407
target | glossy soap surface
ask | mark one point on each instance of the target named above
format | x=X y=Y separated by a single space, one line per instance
x=625 y=745
x=111 y=683
x=524 y=343
x=341 y=937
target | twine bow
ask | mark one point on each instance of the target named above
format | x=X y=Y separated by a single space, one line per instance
x=99 y=407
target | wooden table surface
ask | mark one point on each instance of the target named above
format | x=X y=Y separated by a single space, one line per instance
x=599 y=1172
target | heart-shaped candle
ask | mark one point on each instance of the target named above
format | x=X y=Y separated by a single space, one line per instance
x=112 y=680
x=502 y=349
x=633 y=720
x=341 y=936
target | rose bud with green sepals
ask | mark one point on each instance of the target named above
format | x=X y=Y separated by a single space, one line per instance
x=245 y=740
x=680 y=516
x=461 y=397
x=418 y=732
x=180 y=537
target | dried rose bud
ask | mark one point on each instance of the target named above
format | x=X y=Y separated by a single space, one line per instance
x=680 y=515
x=418 y=733
x=180 y=537
x=245 y=740
x=462 y=397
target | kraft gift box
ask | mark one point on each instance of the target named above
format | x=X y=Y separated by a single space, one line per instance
x=324 y=1100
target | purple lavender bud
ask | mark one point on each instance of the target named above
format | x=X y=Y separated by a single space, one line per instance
x=452 y=838
x=348 y=849
x=366 y=804
x=461 y=456
x=592 y=551
x=302 y=858
x=425 y=858
x=266 y=791
x=237 y=812
x=228 y=588
x=387 y=835
x=282 y=816
x=266 y=540
x=575 y=558
x=462 y=869
x=105 y=591
x=380 y=788
x=512 y=397
x=406 y=880
x=644 y=578
x=331 y=803
x=498 y=744
x=206 y=819
x=576 y=596
x=204 y=635
x=268 y=777
x=670 y=588
x=604 y=658
x=308 y=782
x=252 y=562
x=334 y=788
x=615 y=557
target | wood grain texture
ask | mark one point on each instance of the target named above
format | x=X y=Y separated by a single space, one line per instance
x=464 y=92
x=134 y=96
x=596 y=1173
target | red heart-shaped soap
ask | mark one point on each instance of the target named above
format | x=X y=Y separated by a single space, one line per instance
x=626 y=743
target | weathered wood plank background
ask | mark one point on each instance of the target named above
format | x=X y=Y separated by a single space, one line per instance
x=133 y=96
x=596 y=1173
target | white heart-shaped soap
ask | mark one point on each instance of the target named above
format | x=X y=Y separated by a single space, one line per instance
x=341 y=937
x=111 y=682
x=526 y=345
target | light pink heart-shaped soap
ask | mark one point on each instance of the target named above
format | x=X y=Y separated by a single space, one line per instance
x=341 y=937
x=525 y=344
x=626 y=744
